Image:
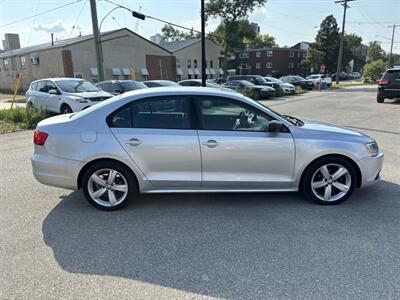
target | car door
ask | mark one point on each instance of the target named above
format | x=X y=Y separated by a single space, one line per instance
x=52 y=100
x=41 y=98
x=158 y=135
x=237 y=151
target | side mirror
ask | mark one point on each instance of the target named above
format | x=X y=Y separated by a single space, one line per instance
x=274 y=126
x=53 y=92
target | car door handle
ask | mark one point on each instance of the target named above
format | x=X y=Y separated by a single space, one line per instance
x=134 y=142
x=211 y=143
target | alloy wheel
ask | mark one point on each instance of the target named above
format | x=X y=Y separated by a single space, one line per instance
x=331 y=182
x=107 y=187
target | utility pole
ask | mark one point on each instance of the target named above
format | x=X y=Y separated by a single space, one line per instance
x=391 y=46
x=339 y=64
x=97 y=40
x=203 y=46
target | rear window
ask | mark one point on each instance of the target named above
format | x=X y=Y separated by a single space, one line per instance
x=392 y=75
x=161 y=112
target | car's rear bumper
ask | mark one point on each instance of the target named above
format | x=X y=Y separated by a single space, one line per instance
x=371 y=168
x=388 y=93
x=55 y=171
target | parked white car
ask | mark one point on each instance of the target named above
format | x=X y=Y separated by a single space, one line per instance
x=316 y=78
x=64 y=95
x=287 y=88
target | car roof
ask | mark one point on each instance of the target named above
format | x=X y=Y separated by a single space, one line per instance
x=59 y=78
x=160 y=80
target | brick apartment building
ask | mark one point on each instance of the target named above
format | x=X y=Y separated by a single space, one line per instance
x=270 y=61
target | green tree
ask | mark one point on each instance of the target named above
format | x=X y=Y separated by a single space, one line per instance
x=169 y=34
x=373 y=70
x=230 y=12
x=375 y=52
x=352 y=40
x=260 y=41
x=313 y=60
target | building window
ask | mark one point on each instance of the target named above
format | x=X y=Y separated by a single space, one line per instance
x=22 y=60
x=298 y=54
x=269 y=65
x=195 y=63
x=211 y=64
x=291 y=65
x=258 y=65
x=178 y=63
x=291 y=54
x=189 y=63
x=244 y=66
x=269 y=53
x=6 y=64
x=258 y=54
x=244 y=55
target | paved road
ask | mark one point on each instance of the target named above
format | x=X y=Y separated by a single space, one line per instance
x=251 y=246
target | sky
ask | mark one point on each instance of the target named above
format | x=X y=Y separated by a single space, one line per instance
x=289 y=21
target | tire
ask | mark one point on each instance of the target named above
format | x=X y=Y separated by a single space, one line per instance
x=316 y=183
x=380 y=99
x=29 y=106
x=98 y=188
x=65 y=109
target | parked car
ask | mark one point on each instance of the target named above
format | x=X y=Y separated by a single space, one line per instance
x=298 y=81
x=116 y=87
x=254 y=79
x=355 y=75
x=198 y=140
x=159 y=83
x=389 y=85
x=342 y=76
x=259 y=91
x=197 y=82
x=287 y=88
x=317 y=78
x=63 y=95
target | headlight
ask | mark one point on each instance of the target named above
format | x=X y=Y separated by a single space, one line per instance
x=372 y=148
x=79 y=100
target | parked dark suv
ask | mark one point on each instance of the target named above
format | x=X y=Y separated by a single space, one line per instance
x=389 y=85
x=255 y=79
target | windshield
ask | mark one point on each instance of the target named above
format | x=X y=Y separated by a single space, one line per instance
x=246 y=83
x=298 y=77
x=132 y=85
x=274 y=79
x=313 y=77
x=167 y=83
x=290 y=119
x=213 y=84
x=76 y=86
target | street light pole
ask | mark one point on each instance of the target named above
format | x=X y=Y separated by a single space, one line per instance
x=203 y=46
x=391 y=46
x=339 y=64
x=97 y=40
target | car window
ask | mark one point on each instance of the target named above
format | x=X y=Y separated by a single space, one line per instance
x=76 y=86
x=186 y=83
x=229 y=115
x=50 y=86
x=132 y=85
x=34 y=86
x=42 y=87
x=115 y=87
x=392 y=75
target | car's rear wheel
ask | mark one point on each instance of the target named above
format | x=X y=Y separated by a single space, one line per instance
x=380 y=99
x=109 y=185
x=65 y=109
x=330 y=180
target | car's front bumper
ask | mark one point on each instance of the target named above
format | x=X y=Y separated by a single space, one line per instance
x=55 y=171
x=371 y=168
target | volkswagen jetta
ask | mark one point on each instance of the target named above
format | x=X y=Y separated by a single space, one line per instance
x=171 y=140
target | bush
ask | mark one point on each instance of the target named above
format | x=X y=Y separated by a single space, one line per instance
x=21 y=118
x=373 y=70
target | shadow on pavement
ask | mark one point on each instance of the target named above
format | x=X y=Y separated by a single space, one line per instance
x=237 y=246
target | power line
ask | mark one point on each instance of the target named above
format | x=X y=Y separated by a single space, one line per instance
x=39 y=14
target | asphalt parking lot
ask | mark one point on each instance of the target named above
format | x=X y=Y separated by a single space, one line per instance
x=237 y=246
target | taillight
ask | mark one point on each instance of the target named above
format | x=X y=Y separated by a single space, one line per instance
x=383 y=81
x=39 y=138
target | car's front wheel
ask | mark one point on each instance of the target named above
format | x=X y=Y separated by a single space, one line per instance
x=65 y=109
x=330 y=180
x=108 y=185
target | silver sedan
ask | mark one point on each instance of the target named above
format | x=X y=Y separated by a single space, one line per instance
x=171 y=140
